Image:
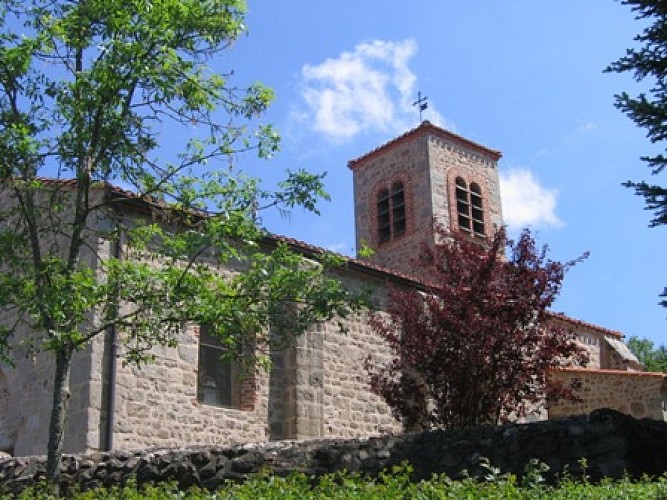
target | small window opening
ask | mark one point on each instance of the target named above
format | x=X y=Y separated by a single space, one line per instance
x=391 y=221
x=462 y=204
x=217 y=380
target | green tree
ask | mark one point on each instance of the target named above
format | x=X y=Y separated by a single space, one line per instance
x=648 y=109
x=87 y=90
x=653 y=358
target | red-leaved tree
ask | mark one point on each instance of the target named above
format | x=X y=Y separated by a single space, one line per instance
x=476 y=344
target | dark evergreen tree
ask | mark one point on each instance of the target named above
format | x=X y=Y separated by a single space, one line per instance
x=649 y=109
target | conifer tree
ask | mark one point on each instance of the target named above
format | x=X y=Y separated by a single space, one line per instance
x=649 y=109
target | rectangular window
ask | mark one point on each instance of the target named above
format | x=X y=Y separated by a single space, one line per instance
x=217 y=379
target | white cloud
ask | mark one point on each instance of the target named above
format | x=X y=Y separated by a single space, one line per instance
x=371 y=88
x=526 y=202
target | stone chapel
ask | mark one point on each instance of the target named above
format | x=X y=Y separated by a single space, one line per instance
x=316 y=388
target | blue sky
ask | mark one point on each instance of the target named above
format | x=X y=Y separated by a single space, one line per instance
x=521 y=76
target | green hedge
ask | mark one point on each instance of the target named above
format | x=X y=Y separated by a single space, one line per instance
x=391 y=484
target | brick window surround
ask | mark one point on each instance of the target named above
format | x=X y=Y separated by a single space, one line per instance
x=390 y=210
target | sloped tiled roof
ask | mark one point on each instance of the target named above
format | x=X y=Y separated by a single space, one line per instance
x=622 y=350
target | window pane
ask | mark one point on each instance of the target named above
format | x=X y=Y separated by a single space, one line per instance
x=462 y=206
x=216 y=376
x=398 y=209
x=464 y=222
x=399 y=227
x=215 y=384
x=477 y=209
x=383 y=217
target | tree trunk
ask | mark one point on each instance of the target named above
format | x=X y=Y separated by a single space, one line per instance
x=58 y=414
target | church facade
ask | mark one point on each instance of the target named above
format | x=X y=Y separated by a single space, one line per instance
x=317 y=388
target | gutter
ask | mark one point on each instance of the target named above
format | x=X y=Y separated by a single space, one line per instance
x=112 y=339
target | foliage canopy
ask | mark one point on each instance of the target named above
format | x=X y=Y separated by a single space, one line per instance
x=653 y=358
x=103 y=229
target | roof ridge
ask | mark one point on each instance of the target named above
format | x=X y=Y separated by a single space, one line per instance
x=426 y=126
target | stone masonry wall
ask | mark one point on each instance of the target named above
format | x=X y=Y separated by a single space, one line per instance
x=315 y=389
x=589 y=338
x=640 y=394
x=350 y=408
x=6 y=441
x=322 y=387
x=156 y=405
x=427 y=163
x=450 y=160
x=26 y=395
x=28 y=388
x=282 y=395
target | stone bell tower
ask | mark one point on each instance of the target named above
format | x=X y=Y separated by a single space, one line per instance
x=427 y=174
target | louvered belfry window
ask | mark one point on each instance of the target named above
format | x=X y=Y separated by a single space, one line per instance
x=470 y=207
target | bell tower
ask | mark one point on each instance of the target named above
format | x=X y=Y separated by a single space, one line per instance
x=427 y=174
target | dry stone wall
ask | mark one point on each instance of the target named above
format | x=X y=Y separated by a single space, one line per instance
x=612 y=443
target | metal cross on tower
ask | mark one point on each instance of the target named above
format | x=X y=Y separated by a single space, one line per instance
x=421 y=103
